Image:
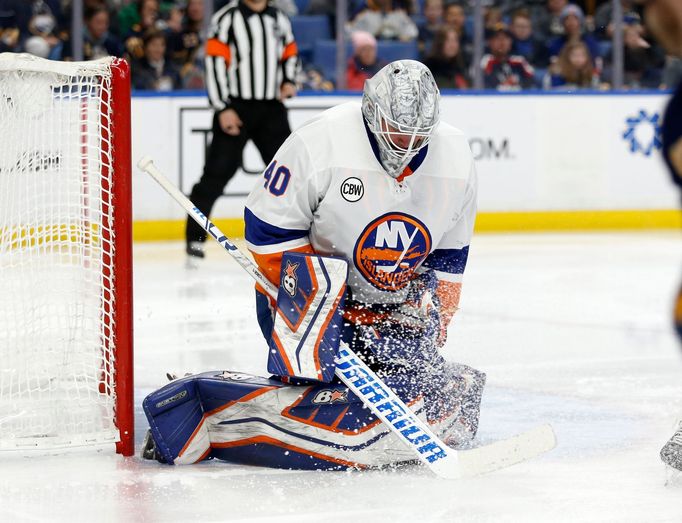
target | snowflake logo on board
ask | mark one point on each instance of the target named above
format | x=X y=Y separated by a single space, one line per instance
x=643 y=133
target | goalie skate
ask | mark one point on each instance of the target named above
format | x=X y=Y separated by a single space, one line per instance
x=149 y=450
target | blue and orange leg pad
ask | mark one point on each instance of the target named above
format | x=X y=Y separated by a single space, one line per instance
x=252 y=420
x=174 y=412
x=177 y=411
x=308 y=319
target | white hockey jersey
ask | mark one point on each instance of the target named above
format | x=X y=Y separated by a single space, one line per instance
x=326 y=189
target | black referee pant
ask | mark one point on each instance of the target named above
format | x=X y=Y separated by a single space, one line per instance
x=265 y=123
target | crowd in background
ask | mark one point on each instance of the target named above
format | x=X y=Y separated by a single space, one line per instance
x=529 y=44
x=162 y=41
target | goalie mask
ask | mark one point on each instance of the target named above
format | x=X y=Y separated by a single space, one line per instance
x=400 y=107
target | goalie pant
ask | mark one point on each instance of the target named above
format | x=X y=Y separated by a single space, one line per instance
x=258 y=421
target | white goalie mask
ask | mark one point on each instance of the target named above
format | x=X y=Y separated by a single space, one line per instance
x=400 y=107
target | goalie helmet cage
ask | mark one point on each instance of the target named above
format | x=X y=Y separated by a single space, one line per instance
x=66 y=375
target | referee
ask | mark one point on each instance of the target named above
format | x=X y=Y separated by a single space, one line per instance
x=251 y=66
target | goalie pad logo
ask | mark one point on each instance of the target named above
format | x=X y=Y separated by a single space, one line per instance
x=290 y=280
x=328 y=396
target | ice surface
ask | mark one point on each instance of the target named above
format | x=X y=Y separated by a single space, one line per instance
x=571 y=329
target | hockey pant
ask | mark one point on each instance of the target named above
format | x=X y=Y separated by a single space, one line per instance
x=258 y=421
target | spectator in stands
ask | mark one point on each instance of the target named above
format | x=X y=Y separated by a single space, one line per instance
x=10 y=18
x=98 y=42
x=312 y=79
x=548 y=22
x=411 y=7
x=525 y=43
x=500 y=70
x=364 y=63
x=37 y=46
x=111 y=6
x=573 y=19
x=183 y=37
x=134 y=40
x=492 y=16
x=130 y=15
x=603 y=18
x=572 y=69
x=433 y=19
x=17 y=14
x=287 y=6
x=446 y=61
x=509 y=7
x=153 y=72
x=173 y=20
x=454 y=17
x=9 y=40
x=184 y=43
x=385 y=22
x=14 y=14
x=672 y=72
x=643 y=62
x=43 y=40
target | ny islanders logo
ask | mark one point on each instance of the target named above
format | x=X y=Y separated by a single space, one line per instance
x=389 y=250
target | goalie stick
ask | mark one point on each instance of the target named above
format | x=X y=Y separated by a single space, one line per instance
x=375 y=394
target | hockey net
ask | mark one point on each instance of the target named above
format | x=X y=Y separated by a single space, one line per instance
x=65 y=254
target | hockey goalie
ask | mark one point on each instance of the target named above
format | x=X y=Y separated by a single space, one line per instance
x=363 y=220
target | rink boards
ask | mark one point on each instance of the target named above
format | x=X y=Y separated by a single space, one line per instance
x=545 y=162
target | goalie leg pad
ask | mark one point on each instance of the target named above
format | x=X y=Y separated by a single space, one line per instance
x=257 y=421
x=179 y=413
x=175 y=415
x=308 y=320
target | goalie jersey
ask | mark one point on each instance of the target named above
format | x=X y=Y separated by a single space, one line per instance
x=326 y=192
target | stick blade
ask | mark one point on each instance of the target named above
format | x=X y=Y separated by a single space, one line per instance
x=507 y=452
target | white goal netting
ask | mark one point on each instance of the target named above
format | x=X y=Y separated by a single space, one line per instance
x=56 y=253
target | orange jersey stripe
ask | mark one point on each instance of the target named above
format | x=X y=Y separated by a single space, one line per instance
x=289 y=51
x=215 y=47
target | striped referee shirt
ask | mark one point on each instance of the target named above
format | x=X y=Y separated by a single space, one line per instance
x=249 y=55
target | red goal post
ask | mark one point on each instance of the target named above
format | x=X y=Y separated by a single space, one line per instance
x=66 y=334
